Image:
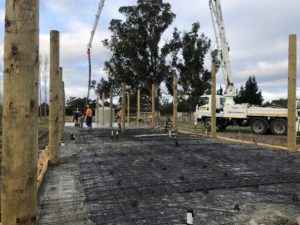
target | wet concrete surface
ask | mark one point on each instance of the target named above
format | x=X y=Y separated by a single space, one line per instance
x=154 y=180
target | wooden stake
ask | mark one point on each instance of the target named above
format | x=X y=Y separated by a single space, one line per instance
x=128 y=108
x=175 y=82
x=153 y=104
x=123 y=105
x=97 y=110
x=54 y=103
x=103 y=112
x=138 y=113
x=110 y=109
x=60 y=100
x=64 y=108
x=213 y=102
x=292 y=70
x=20 y=113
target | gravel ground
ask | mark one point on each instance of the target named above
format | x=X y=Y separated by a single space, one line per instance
x=154 y=179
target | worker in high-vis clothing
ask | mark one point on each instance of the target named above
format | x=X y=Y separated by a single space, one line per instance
x=89 y=116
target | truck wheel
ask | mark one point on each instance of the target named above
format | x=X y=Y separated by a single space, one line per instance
x=279 y=127
x=259 y=126
x=207 y=124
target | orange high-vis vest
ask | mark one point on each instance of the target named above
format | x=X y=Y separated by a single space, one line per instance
x=88 y=112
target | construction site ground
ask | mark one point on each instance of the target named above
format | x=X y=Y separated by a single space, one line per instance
x=144 y=178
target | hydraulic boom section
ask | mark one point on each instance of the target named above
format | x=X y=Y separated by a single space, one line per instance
x=223 y=47
x=100 y=7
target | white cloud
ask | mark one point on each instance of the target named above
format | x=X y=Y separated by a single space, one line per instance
x=257 y=32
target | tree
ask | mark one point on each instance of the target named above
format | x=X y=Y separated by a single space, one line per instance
x=250 y=93
x=220 y=91
x=137 y=58
x=282 y=102
x=188 y=52
x=74 y=104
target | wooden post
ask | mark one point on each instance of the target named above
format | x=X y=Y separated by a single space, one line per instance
x=175 y=82
x=54 y=90
x=292 y=83
x=128 y=108
x=110 y=109
x=213 y=101
x=138 y=113
x=123 y=106
x=153 y=104
x=97 y=110
x=20 y=113
x=60 y=102
x=64 y=108
x=103 y=112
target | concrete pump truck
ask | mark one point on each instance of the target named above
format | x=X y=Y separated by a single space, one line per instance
x=260 y=119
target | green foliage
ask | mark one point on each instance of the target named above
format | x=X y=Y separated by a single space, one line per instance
x=282 y=102
x=42 y=108
x=250 y=93
x=188 y=51
x=220 y=91
x=74 y=103
x=137 y=58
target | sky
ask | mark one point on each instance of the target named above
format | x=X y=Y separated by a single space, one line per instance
x=257 y=32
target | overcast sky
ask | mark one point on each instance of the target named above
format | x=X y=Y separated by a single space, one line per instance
x=257 y=32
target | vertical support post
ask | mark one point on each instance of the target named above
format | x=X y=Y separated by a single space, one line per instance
x=64 y=100
x=110 y=109
x=54 y=90
x=97 y=110
x=138 y=113
x=60 y=100
x=292 y=83
x=128 y=108
x=20 y=113
x=123 y=106
x=153 y=104
x=103 y=112
x=213 y=102
x=175 y=82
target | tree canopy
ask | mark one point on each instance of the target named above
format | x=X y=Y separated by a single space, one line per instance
x=188 y=52
x=136 y=56
x=250 y=93
x=140 y=58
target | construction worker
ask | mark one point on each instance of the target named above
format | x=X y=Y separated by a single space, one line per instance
x=119 y=117
x=89 y=116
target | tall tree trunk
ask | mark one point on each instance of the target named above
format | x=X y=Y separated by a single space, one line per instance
x=20 y=114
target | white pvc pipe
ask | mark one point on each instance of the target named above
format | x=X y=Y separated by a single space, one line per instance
x=190 y=217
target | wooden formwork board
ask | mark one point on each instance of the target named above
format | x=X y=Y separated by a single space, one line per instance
x=43 y=159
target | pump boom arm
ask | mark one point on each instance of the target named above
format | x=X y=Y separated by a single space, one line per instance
x=223 y=47
x=100 y=7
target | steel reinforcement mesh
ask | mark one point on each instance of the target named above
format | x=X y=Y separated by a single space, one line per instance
x=154 y=180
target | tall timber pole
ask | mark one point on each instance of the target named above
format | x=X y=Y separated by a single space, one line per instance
x=123 y=106
x=138 y=114
x=103 y=112
x=128 y=108
x=60 y=99
x=54 y=91
x=20 y=113
x=97 y=110
x=153 y=104
x=213 y=101
x=110 y=109
x=175 y=82
x=292 y=83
